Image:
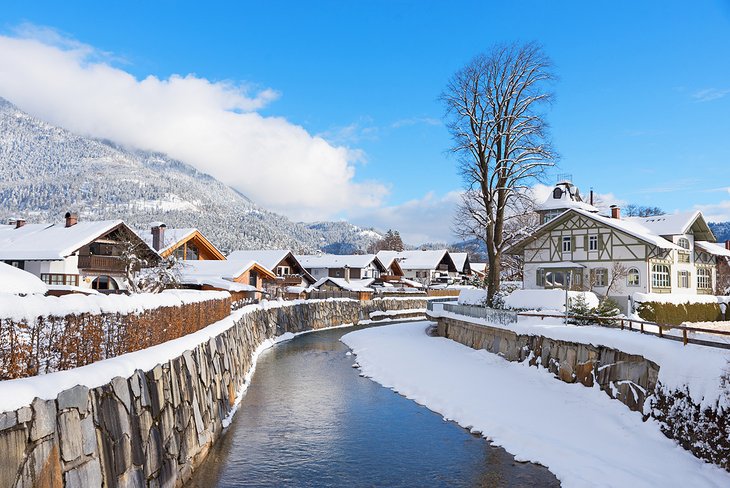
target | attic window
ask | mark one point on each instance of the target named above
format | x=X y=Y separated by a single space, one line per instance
x=557 y=193
x=683 y=242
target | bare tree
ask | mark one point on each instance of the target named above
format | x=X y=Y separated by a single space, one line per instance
x=500 y=138
x=634 y=210
x=144 y=270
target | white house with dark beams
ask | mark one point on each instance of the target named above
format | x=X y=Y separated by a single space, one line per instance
x=659 y=254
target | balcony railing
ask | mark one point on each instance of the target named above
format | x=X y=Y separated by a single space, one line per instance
x=101 y=263
x=288 y=280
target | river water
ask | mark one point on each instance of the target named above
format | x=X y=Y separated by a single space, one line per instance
x=309 y=419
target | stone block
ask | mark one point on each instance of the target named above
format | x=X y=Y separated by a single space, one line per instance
x=88 y=435
x=87 y=475
x=43 y=465
x=25 y=414
x=70 y=435
x=120 y=386
x=76 y=397
x=44 y=419
x=12 y=447
x=8 y=420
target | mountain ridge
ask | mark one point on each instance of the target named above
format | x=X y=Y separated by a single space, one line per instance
x=46 y=170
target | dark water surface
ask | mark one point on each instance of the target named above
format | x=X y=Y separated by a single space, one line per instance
x=309 y=419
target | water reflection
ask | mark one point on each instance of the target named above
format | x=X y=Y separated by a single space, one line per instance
x=309 y=419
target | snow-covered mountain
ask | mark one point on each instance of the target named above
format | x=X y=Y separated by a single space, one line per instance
x=46 y=171
x=721 y=230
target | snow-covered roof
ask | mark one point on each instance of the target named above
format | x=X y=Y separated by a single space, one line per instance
x=329 y=261
x=19 y=282
x=218 y=283
x=172 y=237
x=459 y=259
x=73 y=289
x=50 y=241
x=413 y=260
x=269 y=259
x=630 y=227
x=352 y=285
x=228 y=269
x=671 y=224
x=478 y=267
x=569 y=198
x=712 y=248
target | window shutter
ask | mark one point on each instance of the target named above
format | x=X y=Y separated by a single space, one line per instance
x=600 y=242
x=585 y=242
x=572 y=243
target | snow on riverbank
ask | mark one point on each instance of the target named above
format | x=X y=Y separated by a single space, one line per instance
x=583 y=437
x=698 y=368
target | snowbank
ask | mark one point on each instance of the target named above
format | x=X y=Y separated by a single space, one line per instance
x=584 y=437
x=30 y=307
x=18 y=282
x=697 y=368
x=545 y=299
x=472 y=296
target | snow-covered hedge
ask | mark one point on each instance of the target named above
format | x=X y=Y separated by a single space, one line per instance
x=545 y=299
x=41 y=334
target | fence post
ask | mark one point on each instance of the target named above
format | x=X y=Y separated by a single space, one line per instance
x=642 y=327
x=622 y=324
x=684 y=336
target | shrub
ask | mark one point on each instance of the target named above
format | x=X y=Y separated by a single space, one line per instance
x=669 y=313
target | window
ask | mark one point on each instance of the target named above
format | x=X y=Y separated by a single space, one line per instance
x=660 y=276
x=551 y=214
x=593 y=243
x=557 y=193
x=540 y=277
x=704 y=279
x=600 y=276
x=16 y=264
x=633 y=277
x=253 y=277
x=283 y=270
x=567 y=241
x=683 y=279
x=683 y=243
x=104 y=283
x=682 y=257
x=60 y=279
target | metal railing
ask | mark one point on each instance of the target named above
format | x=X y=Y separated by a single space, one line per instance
x=502 y=317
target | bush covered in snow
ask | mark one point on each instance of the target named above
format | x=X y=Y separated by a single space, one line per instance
x=545 y=299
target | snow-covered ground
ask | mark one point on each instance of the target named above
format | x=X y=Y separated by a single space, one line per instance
x=584 y=437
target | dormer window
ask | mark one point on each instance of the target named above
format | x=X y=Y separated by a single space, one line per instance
x=683 y=243
x=557 y=193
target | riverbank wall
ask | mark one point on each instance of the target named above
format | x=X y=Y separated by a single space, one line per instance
x=629 y=378
x=151 y=426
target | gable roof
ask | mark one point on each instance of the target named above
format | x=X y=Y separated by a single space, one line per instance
x=52 y=242
x=675 y=224
x=226 y=269
x=461 y=260
x=713 y=248
x=419 y=260
x=174 y=238
x=329 y=261
x=352 y=285
x=270 y=259
x=632 y=228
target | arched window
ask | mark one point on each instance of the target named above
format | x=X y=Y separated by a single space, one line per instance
x=104 y=283
x=683 y=243
x=660 y=277
x=704 y=279
x=557 y=193
x=633 y=278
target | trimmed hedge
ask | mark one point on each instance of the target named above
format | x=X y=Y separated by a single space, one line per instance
x=669 y=313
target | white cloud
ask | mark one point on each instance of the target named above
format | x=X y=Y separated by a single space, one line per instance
x=212 y=125
x=426 y=219
x=716 y=212
x=710 y=94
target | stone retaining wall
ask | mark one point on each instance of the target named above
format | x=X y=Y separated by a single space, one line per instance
x=629 y=378
x=154 y=428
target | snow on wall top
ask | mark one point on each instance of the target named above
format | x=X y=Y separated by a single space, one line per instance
x=49 y=241
x=19 y=282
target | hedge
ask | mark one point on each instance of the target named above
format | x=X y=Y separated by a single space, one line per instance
x=669 y=313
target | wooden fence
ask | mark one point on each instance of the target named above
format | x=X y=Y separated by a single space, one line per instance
x=641 y=326
x=47 y=344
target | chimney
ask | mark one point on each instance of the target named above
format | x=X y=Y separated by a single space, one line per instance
x=615 y=212
x=727 y=245
x=158 y=236
x=19 y=223
x=71 y=219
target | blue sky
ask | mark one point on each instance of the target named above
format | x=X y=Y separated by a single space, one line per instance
x=641 y=112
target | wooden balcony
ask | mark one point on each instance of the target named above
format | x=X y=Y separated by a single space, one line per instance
x=101 y=263
x=289 y=280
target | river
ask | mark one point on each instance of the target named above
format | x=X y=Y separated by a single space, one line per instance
x=309 y=419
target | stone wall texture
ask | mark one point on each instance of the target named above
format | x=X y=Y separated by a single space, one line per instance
x=629 y=378
x=154 y=428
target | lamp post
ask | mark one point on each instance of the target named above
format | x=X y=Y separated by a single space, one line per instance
x=568 y=275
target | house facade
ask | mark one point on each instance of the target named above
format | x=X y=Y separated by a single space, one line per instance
x=186 y=244
x=290 y=278
x=73 y=255
x=614 y=256
x=348 y=267
x=243 y=279
x=425 y=267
